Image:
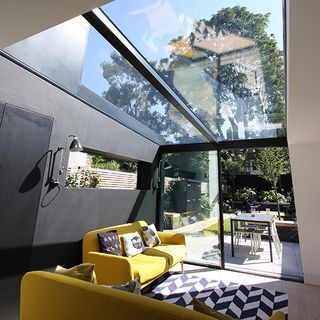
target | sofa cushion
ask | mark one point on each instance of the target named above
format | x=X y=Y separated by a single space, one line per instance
x=109 y=242
x=172 y=253
x=90 y=242
x=148 y=267
x=84 y=271
x=150 y=235
x=132 y=286
x=133 y=244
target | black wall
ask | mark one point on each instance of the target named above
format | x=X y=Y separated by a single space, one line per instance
x=254 y=181
x=23 y=135
x=64 y=216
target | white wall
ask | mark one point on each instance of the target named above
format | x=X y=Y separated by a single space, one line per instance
x=304 y=127
x=22 y=19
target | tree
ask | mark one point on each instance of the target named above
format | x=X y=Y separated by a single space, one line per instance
x=83 y=179
x=271 y=164
x=102 y=162
x=132 y=93
x=232 y=165
x=241 y=21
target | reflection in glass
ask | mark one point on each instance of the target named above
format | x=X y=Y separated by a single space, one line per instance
x=122 y=85
x=223 y=61
x=78 y=58
x=190 y=202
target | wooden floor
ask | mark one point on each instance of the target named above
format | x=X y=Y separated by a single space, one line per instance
x=304 y=300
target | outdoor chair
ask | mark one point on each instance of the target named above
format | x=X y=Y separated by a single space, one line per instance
x=250 y=206
x=262 y=230
x=244 y=231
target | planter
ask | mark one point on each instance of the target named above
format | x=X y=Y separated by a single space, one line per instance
x=263 y=205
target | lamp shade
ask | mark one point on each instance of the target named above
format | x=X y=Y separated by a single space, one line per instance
x=75 y=145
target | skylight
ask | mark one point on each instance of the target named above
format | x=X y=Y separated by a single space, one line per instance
x=224 y=59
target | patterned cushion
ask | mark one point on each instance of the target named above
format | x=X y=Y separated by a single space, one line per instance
x=133 y=286
x=150 y=235
x=84 y=271
x=109 y=242
x=203 y=308
x=133 y=244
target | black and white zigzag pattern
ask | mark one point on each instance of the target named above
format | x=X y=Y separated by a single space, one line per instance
x=237 y=301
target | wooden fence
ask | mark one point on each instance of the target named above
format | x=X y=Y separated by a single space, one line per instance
x=110 y=179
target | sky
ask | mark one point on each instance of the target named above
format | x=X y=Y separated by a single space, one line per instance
x=151 y=24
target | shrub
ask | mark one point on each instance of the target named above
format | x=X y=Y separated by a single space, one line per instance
x=269 y=196
x=245 y=193
x=83 y=179
x=206 y=206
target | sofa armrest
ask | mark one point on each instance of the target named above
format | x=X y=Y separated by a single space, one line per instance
x=171 y=237
x=279 y=315
x=110 y=269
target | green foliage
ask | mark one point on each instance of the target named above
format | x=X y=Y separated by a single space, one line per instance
x=245 y=193
x=132 y=93
x=167 y=196
x=270 y=196
x=82 y=179
x=232 y=164
x=272 y=163
x=206 y=206
x=240 y=21
x=102 y=162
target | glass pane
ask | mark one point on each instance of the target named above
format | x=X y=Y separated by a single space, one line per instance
x=77 y=57
x=224 y=58
x=190 y=202
x=112 y=77
x=258 y=182
x=93 y=170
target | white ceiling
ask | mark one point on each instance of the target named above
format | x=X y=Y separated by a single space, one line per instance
x=22 y=19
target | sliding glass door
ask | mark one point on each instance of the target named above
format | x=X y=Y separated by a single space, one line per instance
x=190 y=203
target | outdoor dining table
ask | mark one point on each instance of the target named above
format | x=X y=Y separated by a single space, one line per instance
x=261 y=219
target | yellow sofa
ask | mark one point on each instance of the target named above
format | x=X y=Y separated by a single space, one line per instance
x=51 y=296
x=147 y=266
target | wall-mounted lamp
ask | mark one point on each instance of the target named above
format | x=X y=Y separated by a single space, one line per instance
x=75 y=146
x=162 y=165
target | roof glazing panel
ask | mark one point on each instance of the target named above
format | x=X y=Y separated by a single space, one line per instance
x=75 y=56
x=108 y=74
x=224 y=58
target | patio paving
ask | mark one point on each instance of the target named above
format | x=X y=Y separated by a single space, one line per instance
x=204 y=248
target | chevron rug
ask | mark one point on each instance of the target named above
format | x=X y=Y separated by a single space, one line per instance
x=237 y=301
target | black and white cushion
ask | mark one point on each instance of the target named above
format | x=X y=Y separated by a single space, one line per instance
x=133 y=244
x=109 y=242
x=150 y=235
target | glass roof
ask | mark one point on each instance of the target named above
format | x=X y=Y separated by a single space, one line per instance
x=108 y=74
x=224 y=58
x=82 y=59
